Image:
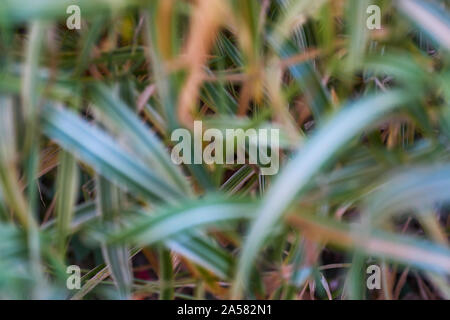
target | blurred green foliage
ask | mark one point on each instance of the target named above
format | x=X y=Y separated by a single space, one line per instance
x=86 y=176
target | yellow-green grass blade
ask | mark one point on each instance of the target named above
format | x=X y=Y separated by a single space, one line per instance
x=67 y=186
x=117 y=256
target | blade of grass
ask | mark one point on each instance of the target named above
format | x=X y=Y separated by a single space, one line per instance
x=145 y=140
x=306 y=163
x=98 y=149
x=8 y=171
x=407 y=250
x=166 y=274
x=116 y=256
x=433 y=20
x=171 y=221
x=67 y=186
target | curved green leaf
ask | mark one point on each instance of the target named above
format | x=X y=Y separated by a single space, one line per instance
x=99 y=150
x=305 y=164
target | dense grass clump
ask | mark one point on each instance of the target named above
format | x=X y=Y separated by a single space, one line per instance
x=87 y=178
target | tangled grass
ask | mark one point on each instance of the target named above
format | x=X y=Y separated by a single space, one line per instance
x=86 y=176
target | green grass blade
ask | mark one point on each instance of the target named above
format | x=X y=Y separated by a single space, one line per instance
x=8 y=171
x=172 y=221
x=407 y=250
x=306 y=163
x=358 y=32
x=166 y=274
x=67 y=186
x=116 y=256
x=203 y=252
x=145 y=140
x=98 y=150
x=432 y=19
x=416 y=188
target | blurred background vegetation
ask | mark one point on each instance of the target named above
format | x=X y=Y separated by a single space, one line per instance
x=85 y=171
